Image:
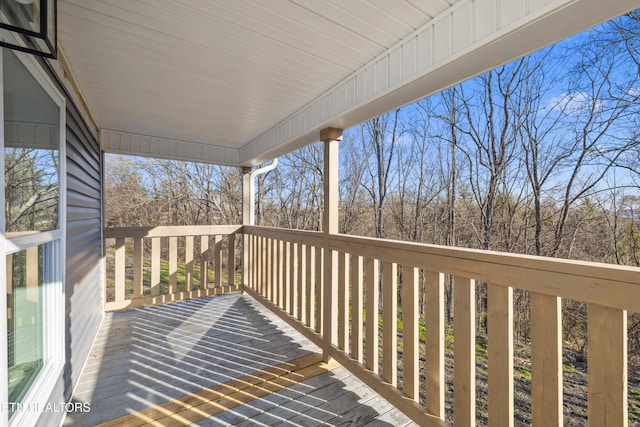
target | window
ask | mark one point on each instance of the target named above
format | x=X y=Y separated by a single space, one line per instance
x=32 y=238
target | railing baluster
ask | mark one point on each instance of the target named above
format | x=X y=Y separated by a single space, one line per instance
x=260 y=272
x=302 y=266
x=410 y=338
x=607 y=369
x=262 y=241
x=138 y=271
x=204 y=262
x=275 y=297
x=280 y=301
x=138 y=257
x=285 y=278
x=255 y=263
x=259 y=266
x=390 y=323
x=10 y=290
x=464 y=394
x=500 y=354
x=155 y=266
x=246 y=263
x=266 y=267
x=120 y=256
x=188 y=263
x=310 y=265
x=269 y=269
x=318 y=288
x=231 y=263
x=293 y=278
x=546 y=360
x=275 y=265
x=32 y=270
x=274 y=271
x=356 y=307
x=372 y=298
x=343 y=301
x=173 y=264
x=434 y=339
x=32 y=274
x=217 y=260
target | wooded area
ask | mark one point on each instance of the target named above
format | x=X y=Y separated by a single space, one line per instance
x=540 y=157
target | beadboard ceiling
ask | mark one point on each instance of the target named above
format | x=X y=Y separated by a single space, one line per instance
x=240 y=81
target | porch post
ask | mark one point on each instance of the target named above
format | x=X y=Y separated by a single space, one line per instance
x=246 y=220
x=330 y=137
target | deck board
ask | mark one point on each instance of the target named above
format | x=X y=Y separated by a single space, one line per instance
x=150 y=356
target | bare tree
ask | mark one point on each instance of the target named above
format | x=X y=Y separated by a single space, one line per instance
x=126 y=199
x=353 y=212
x=379 y=137
x=449 y=176
x=295 y=195
x=490 y=133
x=416 y=179
x=598 y=106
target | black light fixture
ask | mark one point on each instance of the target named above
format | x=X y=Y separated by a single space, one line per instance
x=29 y=26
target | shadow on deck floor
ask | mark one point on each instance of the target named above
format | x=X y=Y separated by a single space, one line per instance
x=151 y=356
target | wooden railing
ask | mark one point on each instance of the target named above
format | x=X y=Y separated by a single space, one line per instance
x=377 y=288
x=155 y=265
x=285 y=271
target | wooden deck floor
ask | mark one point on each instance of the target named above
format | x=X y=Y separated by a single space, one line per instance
x=165 y=357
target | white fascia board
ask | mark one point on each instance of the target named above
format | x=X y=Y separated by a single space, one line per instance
x=471 y=37
x=112 y=141
x=61 y=68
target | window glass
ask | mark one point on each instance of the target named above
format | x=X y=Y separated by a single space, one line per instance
x=25 y=276
x=31 y=149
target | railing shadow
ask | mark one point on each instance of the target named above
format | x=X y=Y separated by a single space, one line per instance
x=153 y=355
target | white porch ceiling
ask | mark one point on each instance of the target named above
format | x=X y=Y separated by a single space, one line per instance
x=241 y=81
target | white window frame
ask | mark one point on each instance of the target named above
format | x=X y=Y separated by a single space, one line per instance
x=55 y=250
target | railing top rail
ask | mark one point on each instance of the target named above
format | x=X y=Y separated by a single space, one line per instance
x=171 y=231
x=605 y=284
x=297 y=236
x=582 y=268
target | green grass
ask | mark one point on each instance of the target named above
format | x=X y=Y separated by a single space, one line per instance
x=181 y=276
x=634 y=414
x=522 y=372
x=482 y=349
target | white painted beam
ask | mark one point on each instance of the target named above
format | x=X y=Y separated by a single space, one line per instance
x=112 y=141
x=31 y=135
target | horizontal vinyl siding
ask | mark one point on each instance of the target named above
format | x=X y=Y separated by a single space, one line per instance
x=84 y=251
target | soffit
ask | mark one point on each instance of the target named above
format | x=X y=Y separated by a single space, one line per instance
x=241 y=81
x=222 y=73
